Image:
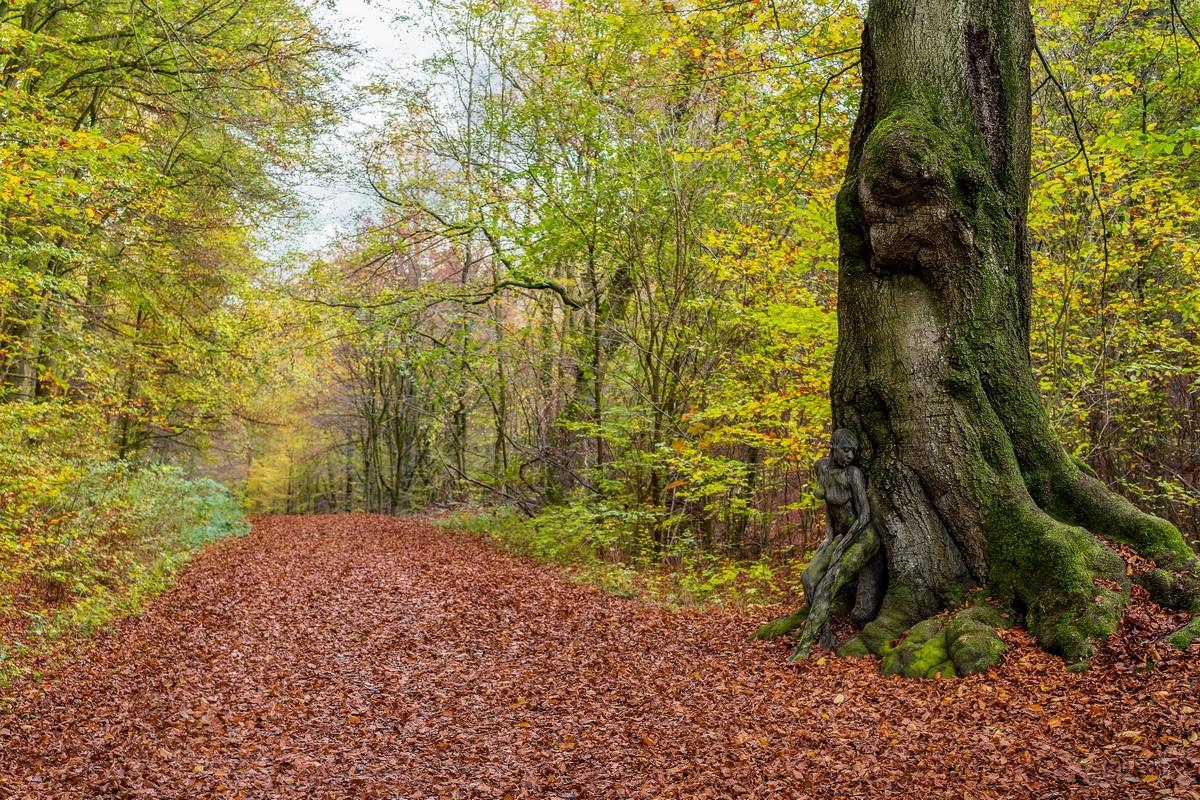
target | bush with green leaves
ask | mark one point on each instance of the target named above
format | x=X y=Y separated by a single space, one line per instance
x=616 y=549
x=84 y=540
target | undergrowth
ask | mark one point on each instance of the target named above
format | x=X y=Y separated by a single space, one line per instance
x=612 y=550
x=82 y=545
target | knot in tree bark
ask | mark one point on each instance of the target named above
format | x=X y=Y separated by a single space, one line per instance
x=915 y=190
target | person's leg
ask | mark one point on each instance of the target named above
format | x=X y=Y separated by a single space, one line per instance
x=834 y=577
x=815 y=571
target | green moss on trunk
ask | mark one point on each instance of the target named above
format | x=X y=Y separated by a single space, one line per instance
x=969 y=484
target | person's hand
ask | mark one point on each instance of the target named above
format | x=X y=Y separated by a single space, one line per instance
x=842 y=546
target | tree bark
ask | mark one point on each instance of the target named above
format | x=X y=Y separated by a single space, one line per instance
x=968 y=483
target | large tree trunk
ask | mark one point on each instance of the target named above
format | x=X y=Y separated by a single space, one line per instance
x=968 y=483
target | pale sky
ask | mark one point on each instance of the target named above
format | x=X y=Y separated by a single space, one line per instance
x=389 y=33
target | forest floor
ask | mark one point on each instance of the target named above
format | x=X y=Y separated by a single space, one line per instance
x=367 y=657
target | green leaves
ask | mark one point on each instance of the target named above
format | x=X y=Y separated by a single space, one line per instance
x=1112 y=332
x=135 y=146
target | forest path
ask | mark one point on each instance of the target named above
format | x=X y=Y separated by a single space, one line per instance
x=366 y=657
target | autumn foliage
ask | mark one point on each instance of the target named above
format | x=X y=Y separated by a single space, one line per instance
x=602 y=271
x=366 y=657
x=595 y=292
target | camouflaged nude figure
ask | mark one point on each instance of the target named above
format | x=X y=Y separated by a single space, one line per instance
x=850 y=543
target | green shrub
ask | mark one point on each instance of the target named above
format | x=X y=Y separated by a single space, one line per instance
x=84 y=541
x=615 y=550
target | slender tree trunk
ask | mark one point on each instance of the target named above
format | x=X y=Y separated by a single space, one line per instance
x=126 y=423
x=287 y=498
x=459 y=417
x=500 y=442
x=969 y=485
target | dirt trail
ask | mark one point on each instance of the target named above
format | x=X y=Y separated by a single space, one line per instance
x=368 y=657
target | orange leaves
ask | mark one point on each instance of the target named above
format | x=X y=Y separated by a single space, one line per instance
x=378 y=657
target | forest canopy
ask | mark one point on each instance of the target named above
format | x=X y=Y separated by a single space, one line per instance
x=595 y=287
x=606 y=398
x=142 y=149
x=603 y=268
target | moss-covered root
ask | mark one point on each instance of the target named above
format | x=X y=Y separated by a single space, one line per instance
x=782 y=626
x=854 y=648
x=1076 y=628
x=946 y=647
x=1076 y=595
x=1184 y=637
x=971 y=639
x=1075 y=496
x=1071 y=587
x=1174 y=584
x=898 y=612
x=922 y=653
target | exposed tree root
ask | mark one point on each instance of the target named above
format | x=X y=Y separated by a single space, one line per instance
x=1069 y=586
x=899 y=612
x=945 y=646
x=782 y=626
x=1073 y=496
x=1066 y=586
x=1184 y=637
x=1173 y=589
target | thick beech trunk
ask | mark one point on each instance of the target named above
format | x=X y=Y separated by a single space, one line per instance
x=969 y=485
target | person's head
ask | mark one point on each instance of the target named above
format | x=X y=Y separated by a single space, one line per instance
x=843 y=447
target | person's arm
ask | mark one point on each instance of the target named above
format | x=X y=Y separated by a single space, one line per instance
x=858 y=491
x=820 y=472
